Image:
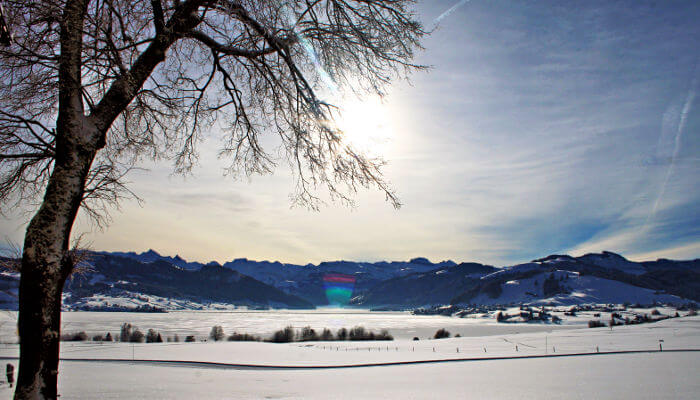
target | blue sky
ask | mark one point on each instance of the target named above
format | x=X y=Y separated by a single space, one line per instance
x=542 y=127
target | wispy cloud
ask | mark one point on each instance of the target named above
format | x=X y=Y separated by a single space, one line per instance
x=450 y=10
x=537 y=131
x=679 y=128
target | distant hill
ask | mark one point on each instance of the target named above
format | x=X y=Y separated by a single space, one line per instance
x=138 y=280
x=557 y=279
x=113 y=276
x=437 y=286
x=593 y=278
x=305 y=281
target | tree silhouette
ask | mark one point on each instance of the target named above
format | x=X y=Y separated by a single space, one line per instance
x=89 y=88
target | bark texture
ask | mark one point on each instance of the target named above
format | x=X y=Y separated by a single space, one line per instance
x=45 y=267
x=45 y=262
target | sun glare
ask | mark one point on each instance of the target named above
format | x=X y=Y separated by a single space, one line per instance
x=366 y=125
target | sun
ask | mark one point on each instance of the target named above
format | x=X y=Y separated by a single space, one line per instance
x=365 y=124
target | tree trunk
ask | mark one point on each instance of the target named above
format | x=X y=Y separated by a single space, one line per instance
x=45 y=267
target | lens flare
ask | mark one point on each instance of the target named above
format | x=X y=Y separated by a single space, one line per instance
x=338 y=288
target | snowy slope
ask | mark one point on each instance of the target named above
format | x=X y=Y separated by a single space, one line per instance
x=593 y=278
x=574 y=289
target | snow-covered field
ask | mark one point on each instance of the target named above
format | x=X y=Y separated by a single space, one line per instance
x=651 y=374
x=636 y=376
x=264 y=323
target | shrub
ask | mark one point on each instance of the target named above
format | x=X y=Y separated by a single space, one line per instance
x=655 y=312
x=285 y=335
x=242 y=337
x=415 y=338
x=342 y=334
x=97 y=338
x=327 y=335
x=692 y=313
x=441 y=334
x=74 y=337
x=308 y=334
x=190 y=338
x=152 y=336
x=384 y=335
x=136 y=336
x=358 y=333
x=125 y=335
x=108 y=337
x=217 y=333
x=594 y=323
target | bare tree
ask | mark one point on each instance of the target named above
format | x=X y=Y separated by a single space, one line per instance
x=88 y=88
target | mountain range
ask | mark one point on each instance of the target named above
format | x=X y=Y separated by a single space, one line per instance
x=148 y=281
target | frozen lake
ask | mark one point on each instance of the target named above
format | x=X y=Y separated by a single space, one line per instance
x=400 y=324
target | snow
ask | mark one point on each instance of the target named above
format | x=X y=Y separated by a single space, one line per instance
x=133 y=300
x=681 y=333
x=585 y=289
x=199 y=323
x=656 y=376
x=652 y=375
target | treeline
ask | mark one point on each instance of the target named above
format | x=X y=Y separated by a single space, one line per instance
x=308 y=334
x=131 y=334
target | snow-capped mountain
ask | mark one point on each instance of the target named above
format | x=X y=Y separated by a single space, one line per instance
x=557 y=279
x=592 y=278
x=306 y=281
x=172 y=282
x=301 y=280
x=106 y=281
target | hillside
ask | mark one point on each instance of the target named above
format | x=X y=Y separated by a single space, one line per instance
x=438 y=286
x=114 y=279
x=305 y=281
x=593 y=278
x=140 y=281
x=557 y=279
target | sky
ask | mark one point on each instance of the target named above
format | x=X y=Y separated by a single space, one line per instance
x=541 y=127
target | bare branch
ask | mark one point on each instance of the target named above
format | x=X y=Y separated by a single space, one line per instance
x=156 y=75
